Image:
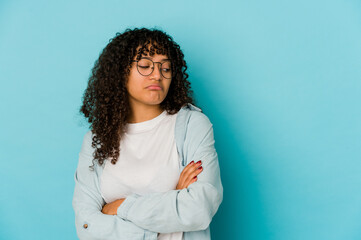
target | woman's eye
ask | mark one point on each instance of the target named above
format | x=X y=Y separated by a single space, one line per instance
x=143 y=66
x=166 y=69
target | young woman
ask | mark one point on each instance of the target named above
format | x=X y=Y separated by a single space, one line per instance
x=148 y=168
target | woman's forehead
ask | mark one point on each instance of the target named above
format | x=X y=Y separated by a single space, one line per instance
x=150 y=49
x=148 y=53
x=156 y=58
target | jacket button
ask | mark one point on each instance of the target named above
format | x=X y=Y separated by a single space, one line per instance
x=85 y=226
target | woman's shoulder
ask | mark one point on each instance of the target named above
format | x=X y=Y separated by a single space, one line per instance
x=192 y=117
x=194 y=114
x=87 y=143
x=192 y=127
x=88 y=137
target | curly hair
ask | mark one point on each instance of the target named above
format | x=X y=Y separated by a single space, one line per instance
x=106 y=101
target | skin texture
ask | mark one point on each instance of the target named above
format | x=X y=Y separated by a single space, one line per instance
x=145 y=105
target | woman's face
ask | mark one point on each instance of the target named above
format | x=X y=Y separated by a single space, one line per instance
x=151 y=89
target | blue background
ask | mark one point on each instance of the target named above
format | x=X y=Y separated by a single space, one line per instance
x=280 y=81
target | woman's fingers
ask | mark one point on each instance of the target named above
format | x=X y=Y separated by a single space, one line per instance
x=189 y=174
x=184 y=174
x=192 y=176
x=191 y=169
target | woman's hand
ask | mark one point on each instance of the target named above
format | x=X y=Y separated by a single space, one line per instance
x=189 y=174
x=112 y=208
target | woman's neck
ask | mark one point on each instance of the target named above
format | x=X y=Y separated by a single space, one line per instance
x=143 y=113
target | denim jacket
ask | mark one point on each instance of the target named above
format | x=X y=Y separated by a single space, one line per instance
x=189 y=210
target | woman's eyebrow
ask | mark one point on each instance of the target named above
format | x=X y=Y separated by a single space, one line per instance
x=163 y=59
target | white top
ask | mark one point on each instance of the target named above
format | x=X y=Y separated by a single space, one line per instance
x=148 y=162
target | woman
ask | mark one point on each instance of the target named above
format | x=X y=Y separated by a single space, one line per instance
x=148 y=168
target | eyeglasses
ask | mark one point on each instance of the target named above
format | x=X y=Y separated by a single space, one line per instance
x=146 y=67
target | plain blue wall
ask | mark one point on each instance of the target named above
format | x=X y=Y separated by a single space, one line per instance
x=280 y=80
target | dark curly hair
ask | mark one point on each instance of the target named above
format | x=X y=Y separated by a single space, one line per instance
x=105 y=101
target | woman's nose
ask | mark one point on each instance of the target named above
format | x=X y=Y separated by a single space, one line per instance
x=156 y=74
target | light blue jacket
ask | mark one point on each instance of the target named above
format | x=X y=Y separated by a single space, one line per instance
x=189 y=210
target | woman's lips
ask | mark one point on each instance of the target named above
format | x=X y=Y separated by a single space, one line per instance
x=154 y=87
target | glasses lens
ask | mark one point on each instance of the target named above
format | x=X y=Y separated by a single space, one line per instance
x=145 y=66
x=167 y=69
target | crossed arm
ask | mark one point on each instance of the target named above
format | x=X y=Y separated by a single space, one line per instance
x=186 y=178
x=187 y=209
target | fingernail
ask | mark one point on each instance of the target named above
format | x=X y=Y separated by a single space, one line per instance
x=195 y=177
x=199 y=162
x=200 y=168
x=191 y=162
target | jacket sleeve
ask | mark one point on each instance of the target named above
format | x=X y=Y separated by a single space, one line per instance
x=90 y=222
x=190 y=209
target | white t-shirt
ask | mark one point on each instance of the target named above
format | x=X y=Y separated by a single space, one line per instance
x=148 y=162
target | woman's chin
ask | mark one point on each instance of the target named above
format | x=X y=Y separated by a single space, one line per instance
x=155 y=101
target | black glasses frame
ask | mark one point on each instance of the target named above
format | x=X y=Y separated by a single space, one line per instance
x=161 y=72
